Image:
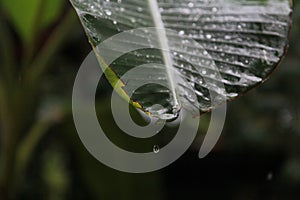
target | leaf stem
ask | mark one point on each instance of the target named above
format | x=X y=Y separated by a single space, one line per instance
x=27 y=146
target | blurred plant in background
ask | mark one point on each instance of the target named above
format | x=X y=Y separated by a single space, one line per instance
x=41 y=157
x=31 y=34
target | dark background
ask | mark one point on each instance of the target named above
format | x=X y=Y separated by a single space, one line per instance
x=42 y=157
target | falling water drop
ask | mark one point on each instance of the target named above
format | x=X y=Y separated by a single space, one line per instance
x=156 y=149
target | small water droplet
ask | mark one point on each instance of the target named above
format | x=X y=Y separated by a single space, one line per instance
x=270 y=176
x=181 y=32
x=108 y=12
x=227 y=37
x=133 y=20
x=208 y=36
x=214 y=9
x=191 y=4
x=139 y=9
x=156 y=149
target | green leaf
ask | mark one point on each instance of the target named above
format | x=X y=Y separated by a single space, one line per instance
x=216 y=50
x=53 y=9
x=23 y=15
x=28 y=17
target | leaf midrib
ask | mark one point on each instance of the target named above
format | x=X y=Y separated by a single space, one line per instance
x=163 y=41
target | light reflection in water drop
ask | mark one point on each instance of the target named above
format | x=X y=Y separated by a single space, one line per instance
x=156 y=149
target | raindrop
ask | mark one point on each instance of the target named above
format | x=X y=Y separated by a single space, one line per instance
x=270 y=176
x=227 y=37
x=156 y=149
x=208 y=36
x=139 y=9
x=133 y=20
x=191 y=4
x=181 y=32
x=108 y=12
x=214 y=9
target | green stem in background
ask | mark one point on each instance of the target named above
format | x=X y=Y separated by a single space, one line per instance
x=53 y=43
x=30 y=46
x=28 y=144
x=12 y=112
x=32 y=78
x=8 y=127
x=7 y=52
x=8 y=144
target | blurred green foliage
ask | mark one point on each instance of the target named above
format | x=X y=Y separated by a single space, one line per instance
x=39 y=14
x=41 y=156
